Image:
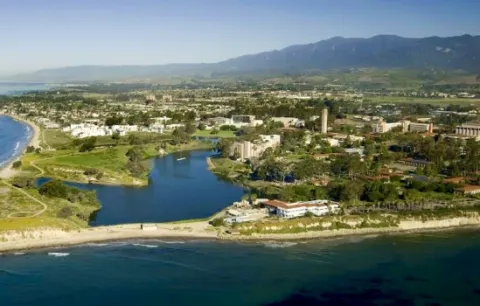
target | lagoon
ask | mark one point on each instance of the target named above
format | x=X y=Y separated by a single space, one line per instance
x=177 y=190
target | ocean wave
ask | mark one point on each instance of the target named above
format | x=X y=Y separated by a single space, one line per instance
x=58 y=254
x=279 y=245
x=150 y=246
x=168 y=241
x=19 y=253
x=96 y=244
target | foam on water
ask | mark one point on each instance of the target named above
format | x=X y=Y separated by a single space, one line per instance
x=150 y=246
x=278 y=245
x=58 y=254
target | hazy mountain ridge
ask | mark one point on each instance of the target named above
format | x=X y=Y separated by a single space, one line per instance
x=383 y=51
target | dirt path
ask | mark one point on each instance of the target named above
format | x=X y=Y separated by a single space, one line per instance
x=37 y=167
x=44 y=141
x=44 y=206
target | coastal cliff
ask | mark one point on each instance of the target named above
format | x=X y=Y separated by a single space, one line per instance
x=44 y=238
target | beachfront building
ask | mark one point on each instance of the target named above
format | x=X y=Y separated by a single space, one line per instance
x=247 y=149
x=299 y=209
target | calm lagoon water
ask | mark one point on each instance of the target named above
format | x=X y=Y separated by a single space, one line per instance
x=178 y=190
x=431 y=269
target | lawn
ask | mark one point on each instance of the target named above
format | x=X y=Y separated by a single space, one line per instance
x=221 y=134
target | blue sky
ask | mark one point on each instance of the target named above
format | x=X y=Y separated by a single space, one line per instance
x=39 y=34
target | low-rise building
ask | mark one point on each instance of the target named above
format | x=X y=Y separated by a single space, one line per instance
x=471 y=129
x=287 y=121
x=421 y=127
x=299 y=209
x=468 y=190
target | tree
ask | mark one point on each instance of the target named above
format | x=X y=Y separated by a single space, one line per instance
x=116 y=136
x=88 y=145
x=54 y=188
x=202 y=126
x=190 y=128
x=135 y=154
x=180 y=136
x=30 y=149
x=224 y=147
x=17 y=164
x=113 y=121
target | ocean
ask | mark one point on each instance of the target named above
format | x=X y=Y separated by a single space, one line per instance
x=20 y=88
x=14 y=137
x=421 y=269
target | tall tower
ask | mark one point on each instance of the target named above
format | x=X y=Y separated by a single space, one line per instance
x=324 y=120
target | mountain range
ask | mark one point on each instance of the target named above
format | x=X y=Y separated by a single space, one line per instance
x=381 y=52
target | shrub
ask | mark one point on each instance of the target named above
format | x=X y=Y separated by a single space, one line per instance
x=30 y=149
x=65 y=212
x=17 y=164
x=309 y=214
x=23 y=182
x=88 y=145
x=99 y=175
x=217 y=222
x=91 y=171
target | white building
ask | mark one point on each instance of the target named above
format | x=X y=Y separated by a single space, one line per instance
x=248 y=149
x=84 y=130
x=286 y=121
x=299 y=209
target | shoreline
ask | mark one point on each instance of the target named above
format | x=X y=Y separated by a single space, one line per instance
x=54 y=238
x=6 y=172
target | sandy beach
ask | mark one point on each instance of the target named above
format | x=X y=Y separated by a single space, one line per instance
x=49 y=238
x=7 y=171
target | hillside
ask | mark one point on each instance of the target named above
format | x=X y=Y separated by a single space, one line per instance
x=381 y=52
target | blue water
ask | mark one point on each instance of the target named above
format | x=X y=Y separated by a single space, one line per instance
x=177 y=190
x=14 y=137
x=20 y=88
x=432 y=269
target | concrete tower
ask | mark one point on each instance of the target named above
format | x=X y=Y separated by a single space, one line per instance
x=324 y=120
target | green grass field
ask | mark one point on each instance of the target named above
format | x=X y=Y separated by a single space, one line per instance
x=221 y=134
x=54 y=138
x=17 y=210
x=433 y=101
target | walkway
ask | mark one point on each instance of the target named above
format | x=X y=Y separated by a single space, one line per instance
x=44 y=206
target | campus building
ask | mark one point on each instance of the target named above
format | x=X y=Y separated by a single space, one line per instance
x=299 y=209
